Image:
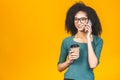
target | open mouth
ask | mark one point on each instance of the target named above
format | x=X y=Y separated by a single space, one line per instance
x=80 y=27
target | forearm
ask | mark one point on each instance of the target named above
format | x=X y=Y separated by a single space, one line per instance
x=63 y=66
x=92 y=59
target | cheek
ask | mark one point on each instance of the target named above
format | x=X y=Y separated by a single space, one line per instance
x=75 y=24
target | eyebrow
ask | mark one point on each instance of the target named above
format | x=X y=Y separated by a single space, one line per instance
x=81 y=17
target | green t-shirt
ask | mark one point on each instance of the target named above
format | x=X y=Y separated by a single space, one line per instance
x=80 y=69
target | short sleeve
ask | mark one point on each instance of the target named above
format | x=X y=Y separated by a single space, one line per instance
x=98 y=48
x=63 y=52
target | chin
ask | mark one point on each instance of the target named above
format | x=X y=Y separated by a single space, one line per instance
x=82 y=30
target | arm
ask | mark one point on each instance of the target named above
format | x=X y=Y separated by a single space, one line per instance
x=92 y=58
x=63 y=63
x=63 y=66
x=93 y=54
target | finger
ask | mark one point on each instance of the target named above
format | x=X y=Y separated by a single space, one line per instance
x=88 y=28
x=89 y=25
x=71 y=51
x=74 y=57
x=73 y=54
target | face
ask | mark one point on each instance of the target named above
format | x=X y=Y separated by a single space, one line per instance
x=80 y=20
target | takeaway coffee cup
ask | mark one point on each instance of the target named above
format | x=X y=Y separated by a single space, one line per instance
x=75 y=48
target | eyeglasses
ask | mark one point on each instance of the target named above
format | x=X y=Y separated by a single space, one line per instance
x=82 y=19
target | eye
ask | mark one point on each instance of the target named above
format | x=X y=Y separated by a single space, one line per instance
x=77 y=19
x=83 y=19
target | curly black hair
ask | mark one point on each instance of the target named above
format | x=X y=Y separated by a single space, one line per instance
x=91 y=14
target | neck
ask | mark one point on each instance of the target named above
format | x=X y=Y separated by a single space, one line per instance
x=80 y=34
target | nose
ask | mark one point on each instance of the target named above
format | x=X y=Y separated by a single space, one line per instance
x=79 y=22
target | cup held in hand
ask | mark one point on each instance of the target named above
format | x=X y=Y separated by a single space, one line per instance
x=75 y=48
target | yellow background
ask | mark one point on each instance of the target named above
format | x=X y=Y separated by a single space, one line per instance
x=31 y=32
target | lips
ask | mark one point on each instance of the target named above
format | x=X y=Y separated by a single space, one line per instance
x=80 y=27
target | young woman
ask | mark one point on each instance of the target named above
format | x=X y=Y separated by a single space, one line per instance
x=84 y=26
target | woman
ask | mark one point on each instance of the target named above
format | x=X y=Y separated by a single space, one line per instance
x=84 y=26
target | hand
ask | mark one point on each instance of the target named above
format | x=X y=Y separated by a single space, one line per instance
x=73 y=55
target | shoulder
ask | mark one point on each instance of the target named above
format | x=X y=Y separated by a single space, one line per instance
x=67 y=39
x=97 y=39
